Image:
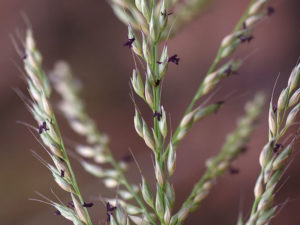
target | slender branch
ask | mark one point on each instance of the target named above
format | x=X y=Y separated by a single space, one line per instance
x=227 y=47
x=42 y=110
x=232 y=148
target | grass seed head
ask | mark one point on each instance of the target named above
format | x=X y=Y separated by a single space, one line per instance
x=252 y=20
x=272 y=120
x=159 y=174
x=163 y=126
x=265 y=154
x=62 y=166
x=93 y=169
x=137 y=83
x=163 y=62
x=148 y=138
x=256 y=7
x=167 y=215
x=170 y=193
x=291 y=118
x=283 y=99
x=149 y=94
x=283 y=157
x=150 y=75
x=294 y=78
x=259 y=187
x=183 y=213
x=110 y=183
x=153 y=27
x=138 y=123
x=85 y=151
x=171 y=161
x=62 y=183
x=145 y=10
x=163 y=16
x=79 y=210
x=147 y=194
x=295 y=98
x=136 y=45
x=159 y=203
x=146 y=50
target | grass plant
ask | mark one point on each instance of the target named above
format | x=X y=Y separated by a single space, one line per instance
x=150 y=25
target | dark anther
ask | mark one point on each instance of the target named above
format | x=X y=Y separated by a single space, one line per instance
x=157 y=115
x=274 y=108
x=220 y=102
x=244 y=26
x=62 y=160
x=62 y=173
x=57 y=213
x=276 y=148
x=244 y=149
x=88 y=205
x=244 y=38
x=71 y=204
x=157 y=82
x=110 y=208
x=250 y=38
x=270 y=11
x=158 y=62
x=24 y=56
x=230 y=71
x=43 y=127
x=129 y=42
x=126 y=158
x=165 y=14
x=233 y=170
x=174 y=59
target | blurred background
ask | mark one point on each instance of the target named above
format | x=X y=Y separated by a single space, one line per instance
x=88 y=36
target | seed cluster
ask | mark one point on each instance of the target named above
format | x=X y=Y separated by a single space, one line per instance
x=41 y=109
x=274 y=157
x=97 y=148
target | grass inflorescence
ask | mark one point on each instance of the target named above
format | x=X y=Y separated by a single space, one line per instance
x=150 y=24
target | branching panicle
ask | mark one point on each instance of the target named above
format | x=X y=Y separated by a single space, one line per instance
x=42 y=110
x=149 y=24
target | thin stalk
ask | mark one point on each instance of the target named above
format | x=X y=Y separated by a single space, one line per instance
x=198 y=93
x=114 y=163
x=189 y=200
x=155 y=119
x=253 y=210
x=156 y=98
x=231 y=149
x=240 y=22
x=129 y=187
x=208 y=175
x=74 y=182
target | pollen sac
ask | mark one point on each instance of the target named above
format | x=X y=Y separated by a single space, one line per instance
x=174 y=59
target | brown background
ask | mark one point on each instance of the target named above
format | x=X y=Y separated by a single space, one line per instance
x=89 y=37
